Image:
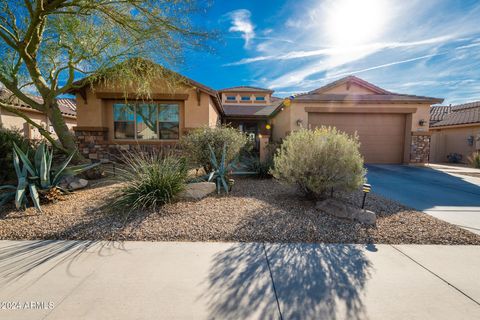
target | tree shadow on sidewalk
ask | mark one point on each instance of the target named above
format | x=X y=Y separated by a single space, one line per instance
x=311 y=281
x=21 y=258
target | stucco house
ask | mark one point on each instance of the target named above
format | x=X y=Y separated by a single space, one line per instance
x=12 y=121
x=455 y=129
x=393 y=128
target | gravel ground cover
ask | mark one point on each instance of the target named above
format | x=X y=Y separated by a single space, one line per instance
x=256 y=210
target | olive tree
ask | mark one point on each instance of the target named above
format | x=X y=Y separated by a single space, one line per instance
x=47 y=45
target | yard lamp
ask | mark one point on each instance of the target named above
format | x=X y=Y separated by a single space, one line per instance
x=366 y=189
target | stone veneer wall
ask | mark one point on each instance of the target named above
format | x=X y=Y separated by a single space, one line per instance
x=93 y=144
x=420 y=149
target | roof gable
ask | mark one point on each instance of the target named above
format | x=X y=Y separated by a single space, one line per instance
x=353 y=89
x=350 y=85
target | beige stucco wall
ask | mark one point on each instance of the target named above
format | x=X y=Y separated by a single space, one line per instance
x=96 y=112
x=286 y=121
x=453 y=140
x=11 y=121
x=348 y=89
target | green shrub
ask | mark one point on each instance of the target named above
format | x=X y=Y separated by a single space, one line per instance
x=150 y=180
x=319 y=160
x=195 y=145
x=474 y=159
x=7 y=139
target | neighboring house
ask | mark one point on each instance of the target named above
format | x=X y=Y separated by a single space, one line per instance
x=457 y=131
x=12 y=121
x=248 y=109
x=392 y=128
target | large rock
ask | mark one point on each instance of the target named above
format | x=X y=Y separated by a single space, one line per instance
x=334 y=208
x=77 y=184
x=340 y=210
x=365 y=216
x=197 y=191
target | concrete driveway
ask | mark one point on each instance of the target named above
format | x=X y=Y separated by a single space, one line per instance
x=450 y=197
x=168 y=280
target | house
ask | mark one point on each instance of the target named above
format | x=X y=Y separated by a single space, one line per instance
x=392 y=127
x=10 y=120
x=457 y=131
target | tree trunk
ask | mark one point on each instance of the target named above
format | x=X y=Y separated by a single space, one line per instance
x=65 y=137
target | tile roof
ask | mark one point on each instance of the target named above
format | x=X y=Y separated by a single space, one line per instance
x=390 y=97
x=438 y=113
x=468 y=113
x=67 y=106
x=251 y=110
x=246 y=89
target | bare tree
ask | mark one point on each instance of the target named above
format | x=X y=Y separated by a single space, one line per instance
x=45 y=45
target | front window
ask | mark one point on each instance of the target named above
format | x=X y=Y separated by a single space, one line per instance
x=231 y=98
x=245 y=98
x=260 y=98
x=146 y=121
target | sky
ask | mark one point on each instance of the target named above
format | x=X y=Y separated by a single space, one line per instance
x=421 y=47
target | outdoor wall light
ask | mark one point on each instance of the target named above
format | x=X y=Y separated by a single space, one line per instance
x=421 y=122
x=268 y=127
x=299 y=122
x=470 y=140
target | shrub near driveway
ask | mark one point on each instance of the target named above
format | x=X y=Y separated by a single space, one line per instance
x=318 y=160
x=195 y=145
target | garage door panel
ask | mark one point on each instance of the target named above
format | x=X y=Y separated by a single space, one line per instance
x=381 y=135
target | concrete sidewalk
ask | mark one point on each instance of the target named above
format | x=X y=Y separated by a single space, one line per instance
x=167 y=280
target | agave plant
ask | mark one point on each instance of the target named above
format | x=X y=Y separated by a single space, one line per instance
x=38 y=177
x=220 y=169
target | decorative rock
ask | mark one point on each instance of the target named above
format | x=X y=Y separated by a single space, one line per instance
x=77 y=184
x=197 y=191
x=334 y=208
x=365 y=216
x=340 y=210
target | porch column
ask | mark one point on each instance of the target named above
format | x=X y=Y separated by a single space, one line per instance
x=263 y=144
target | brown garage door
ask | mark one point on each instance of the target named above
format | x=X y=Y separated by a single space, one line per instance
x=381 y=135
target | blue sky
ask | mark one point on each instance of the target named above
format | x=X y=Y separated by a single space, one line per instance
x=423 y=47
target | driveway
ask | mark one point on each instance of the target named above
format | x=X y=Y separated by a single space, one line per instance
x=450 y=197
x=168 y=280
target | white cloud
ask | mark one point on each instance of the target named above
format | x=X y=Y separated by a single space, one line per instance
x=240 y=20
